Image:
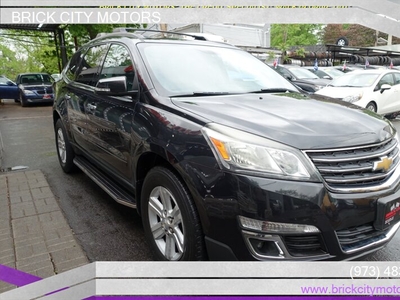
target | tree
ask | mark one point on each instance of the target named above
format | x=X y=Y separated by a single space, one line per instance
x=35 y=51
x=284 y=36
x=10 y=65
x=357 y=35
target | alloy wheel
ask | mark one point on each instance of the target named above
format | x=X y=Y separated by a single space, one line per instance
x=166 y=223
x=61 y=146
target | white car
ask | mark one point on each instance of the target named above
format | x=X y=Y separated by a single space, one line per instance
x=377 y=90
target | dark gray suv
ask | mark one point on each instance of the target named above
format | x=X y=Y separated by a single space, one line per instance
x=223 y=158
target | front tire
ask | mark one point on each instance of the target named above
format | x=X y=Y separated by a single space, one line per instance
x=170 y=220
x=22 y=101
x=65 y=152
x=371 y=106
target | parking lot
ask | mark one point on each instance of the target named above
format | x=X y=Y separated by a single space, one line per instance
x=105 y=230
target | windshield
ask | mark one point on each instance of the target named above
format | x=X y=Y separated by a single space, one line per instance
x=181 y=69
x=35 y=79
x=301 y=73
x=355 y=79
x=331 y=72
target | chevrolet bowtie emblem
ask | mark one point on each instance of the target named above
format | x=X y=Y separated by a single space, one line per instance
x=383 y=164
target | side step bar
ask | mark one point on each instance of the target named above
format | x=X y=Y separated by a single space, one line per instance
x=116 y=192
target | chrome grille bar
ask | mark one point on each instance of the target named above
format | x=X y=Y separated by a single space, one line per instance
x=353 y=168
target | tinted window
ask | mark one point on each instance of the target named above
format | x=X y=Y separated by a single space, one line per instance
x=90 y=65
x=73 y=65
x=118 y=62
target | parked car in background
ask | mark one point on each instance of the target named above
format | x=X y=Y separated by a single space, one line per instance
x=35 y=88
x=353 y=67
x=377 y=89
x=325 y=72
x=223 y=158
x=8 y=88
x=301 y=77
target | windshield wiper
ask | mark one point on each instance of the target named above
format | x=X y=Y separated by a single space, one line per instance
x=199 y=94
x=274 y=90
x=346 y=85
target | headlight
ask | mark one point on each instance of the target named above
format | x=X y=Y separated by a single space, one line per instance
x=319 y=87
x=353 y=98
x=243 y=152
x=28 y=92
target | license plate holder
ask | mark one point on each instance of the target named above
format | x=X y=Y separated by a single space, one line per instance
x=388 y=213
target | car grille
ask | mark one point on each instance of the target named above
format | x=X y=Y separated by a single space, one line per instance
x=304 y=245
x=358 y=237
x=46 y=91
x=358 y=167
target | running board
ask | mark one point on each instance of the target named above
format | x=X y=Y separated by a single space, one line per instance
x=116 y=192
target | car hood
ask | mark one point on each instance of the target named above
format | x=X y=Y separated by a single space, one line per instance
x=339 y=92
x=292 y=118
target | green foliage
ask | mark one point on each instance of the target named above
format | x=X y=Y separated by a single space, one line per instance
x=9 y=64
x=27 y=51
x=284 y=36
x=35 y=51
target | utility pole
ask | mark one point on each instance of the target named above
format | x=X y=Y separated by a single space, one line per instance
x=389 y=40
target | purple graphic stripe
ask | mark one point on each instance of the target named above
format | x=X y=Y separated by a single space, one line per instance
x=16 y=277
x=250 y=297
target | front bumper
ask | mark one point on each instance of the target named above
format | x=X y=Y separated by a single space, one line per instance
x=346 y=222
x=38 y=98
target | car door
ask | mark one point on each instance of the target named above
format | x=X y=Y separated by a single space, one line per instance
x=8 y=89
x=387 y=99
x=84 y=72
x=111 y=117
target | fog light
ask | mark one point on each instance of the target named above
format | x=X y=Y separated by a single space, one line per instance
x=275 y=227
x=268 y=248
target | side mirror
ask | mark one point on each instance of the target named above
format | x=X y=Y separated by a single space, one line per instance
x=112 y=85
x=288 y=77
x=385 y=87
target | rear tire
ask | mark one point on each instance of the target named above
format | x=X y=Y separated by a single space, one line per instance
x=170 y=219
x=65 y=152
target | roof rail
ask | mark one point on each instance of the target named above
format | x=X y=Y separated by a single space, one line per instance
x=131 y=29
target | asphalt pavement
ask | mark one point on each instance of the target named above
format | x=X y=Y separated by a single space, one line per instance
x=36 y=240
x=104 y=229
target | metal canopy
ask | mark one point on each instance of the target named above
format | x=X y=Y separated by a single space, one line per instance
x=33 y=27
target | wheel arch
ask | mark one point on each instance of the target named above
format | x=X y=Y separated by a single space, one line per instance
x=374 y=103
x=145 y=163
